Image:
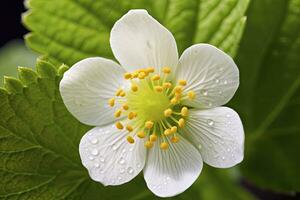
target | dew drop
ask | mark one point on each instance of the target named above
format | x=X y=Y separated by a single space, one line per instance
x=217 y=81
x=204 y=92
x=94 y=141
x=101 y=171
x=114 y=147
x=121 y=161
x=91 y=158
x=97 y=165
x=228 y=150
x=138 y=165
x=101 y=159
x=95 y=152
x=130 y=149
x=209 y=104
x=119 y=178
x=223 y=158
x=228 y=115
x=122 y=170
x=199 y=146
x=123 y=151
x=210 y=122
x=225 y=82
x=130 y=170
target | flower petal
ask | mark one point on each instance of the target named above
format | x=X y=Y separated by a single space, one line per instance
x=138 y=40
x=210 y=73
x=219 y=134
x=87 y=87
x=109 y=158
x=170 y=172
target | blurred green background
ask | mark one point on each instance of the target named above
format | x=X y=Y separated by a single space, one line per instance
x=265 y=45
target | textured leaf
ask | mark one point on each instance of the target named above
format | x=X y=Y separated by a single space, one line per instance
x=70 y=30
x=270 y=94
x=39 y=140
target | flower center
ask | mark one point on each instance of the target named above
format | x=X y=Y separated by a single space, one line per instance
x=152 y=106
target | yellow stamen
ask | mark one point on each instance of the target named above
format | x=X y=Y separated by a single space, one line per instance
x=135 y=74
x=158 y=88
x=130 y=139
x=111 y=102
x=134 y=87
x=191 y=95
x=148 y=144
x=181 y=122
x=173 y=129
x=173 y=101
x=178 y=96
x=164 y=145
x=175 y=139
x=125 y=106
x=167 y=85
x=168 y=112
x=150 y=69
x=178 y=89
x=118 y=92
x=131 y=115
x=122 y=94
x=118 y=113
x=142 y=75
x=182 y=82
x=167 y=132
x=119 y=125
x=141 y=134
x=129 y=128
x=184 y=111
x=166 y=70
x=153 y=138
x=155 y=77
x=127 y=75
x=149 y=124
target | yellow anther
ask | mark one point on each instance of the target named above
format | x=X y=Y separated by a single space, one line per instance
x=184 y=111
x=158 y=88
x=178 y=89
x=122 y=94
x=131 y=115
x=155 y=77
x=127 y=75
x=135 y=74
x=173 y=129
x=125 y=106
x=118 y=113
x=178 y=96
x=148 y=144
x=149 y=124
x=150 y=69
x=118 y=92
x=164 y=145
x=167 y=85
x=119 y=125
x=181 y=122
x=166 y=70
x=141 y=134
x=134 y=87
x=167 y=132
x=129 y=128
x=111 y=102
x=130 y=139
x=142 y=75
x=191 y=95
x=175 y=139
x=182 y=82
x=153 y=138
x=174 y=101
x=168 y=112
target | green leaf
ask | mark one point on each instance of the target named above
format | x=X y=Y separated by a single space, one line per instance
x=268 y=99
x=13 y=54
x=70 y=30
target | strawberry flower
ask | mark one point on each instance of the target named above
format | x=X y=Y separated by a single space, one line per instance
x=153 y=111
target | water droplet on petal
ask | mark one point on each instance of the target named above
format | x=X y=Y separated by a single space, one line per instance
x=122 y=161
x=204 y=92
x=101 y=159
x=122 y=170
x=94 y=141
x=130 y=170
x=97 y=165
x=199 y=146
x=119 y=178
x=210 y=122
x=95 y=152
x=91 y=158
x=114 y=147
x=223 y=158
x=217 y=80
x=225 y=82
x=138 y=165
x=130 y=149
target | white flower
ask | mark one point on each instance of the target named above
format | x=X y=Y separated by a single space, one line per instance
x=156 y=113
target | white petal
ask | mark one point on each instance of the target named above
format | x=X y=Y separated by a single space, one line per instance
x=219 y=135
x=172 y=171
x=209 y=72
x=87 y=87
x=138 y=40
x=109 y=158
